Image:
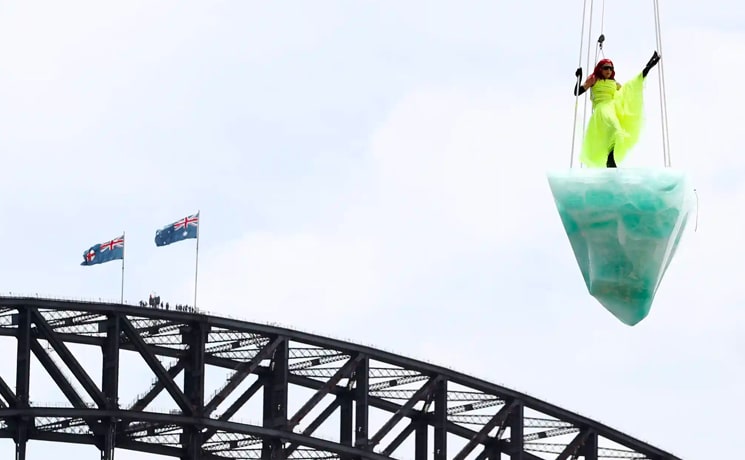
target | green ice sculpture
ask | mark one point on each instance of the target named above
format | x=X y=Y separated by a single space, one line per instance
x=624 y=226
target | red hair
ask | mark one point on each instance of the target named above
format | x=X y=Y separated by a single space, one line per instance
x=598 y=72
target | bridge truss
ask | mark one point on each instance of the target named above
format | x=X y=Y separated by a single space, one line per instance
x=305 y=396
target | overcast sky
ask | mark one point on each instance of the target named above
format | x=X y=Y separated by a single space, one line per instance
x=381 y=164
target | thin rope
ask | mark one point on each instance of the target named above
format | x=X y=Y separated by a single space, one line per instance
x=579 y=82
x=667 y=159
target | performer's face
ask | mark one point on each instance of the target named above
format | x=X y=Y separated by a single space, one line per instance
x=607 y=70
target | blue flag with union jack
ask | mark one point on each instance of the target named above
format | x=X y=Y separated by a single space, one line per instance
x=182 y=229
x=104 y=252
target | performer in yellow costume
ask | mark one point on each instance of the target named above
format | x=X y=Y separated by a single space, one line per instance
x=617 y=114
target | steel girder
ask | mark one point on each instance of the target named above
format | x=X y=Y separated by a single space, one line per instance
x=308 y=396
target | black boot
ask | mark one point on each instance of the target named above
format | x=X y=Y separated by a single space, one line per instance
x=652 y=62
x=611 y=163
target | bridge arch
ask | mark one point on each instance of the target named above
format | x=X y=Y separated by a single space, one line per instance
x=309 y=396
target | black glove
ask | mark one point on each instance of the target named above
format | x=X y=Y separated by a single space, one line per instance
x=578 y=72
x=652 y=62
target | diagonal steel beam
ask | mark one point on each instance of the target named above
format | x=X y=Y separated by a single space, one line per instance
x=59 y=378
x=325 y=414
x=422 y=392
x=400 y=438
x=498 y=420
x=491 y=451
x=62 y=383
x=47 y=333
x=313 y=426
x=235 y=407
x=157 y=387
x=574 y=446
x=156 y=366
x=343 y=372
x=154 y=391
x=241 y=372
x=8 y=394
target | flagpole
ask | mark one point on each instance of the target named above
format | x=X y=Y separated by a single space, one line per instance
x=196 y=260
x=124 y=247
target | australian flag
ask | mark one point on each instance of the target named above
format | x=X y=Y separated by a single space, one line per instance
x=104 y=252
x=182 y=229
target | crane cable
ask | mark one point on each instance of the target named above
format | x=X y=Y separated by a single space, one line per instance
x=579 y=77
x=601 y=39
x=598 y=49
x=667 y=158
x=663 y=96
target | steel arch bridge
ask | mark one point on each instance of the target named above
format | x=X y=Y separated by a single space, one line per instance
x=309 y=396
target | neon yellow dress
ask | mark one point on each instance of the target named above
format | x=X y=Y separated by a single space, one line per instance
x=616 y=121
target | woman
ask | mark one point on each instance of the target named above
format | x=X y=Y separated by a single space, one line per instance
x=616 y=119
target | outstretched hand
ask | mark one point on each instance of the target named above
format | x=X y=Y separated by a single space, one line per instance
x=652 y=62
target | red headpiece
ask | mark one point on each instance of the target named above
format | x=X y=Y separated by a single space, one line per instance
x=598 y=72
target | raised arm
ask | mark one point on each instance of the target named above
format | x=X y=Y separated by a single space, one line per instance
x=580 y=89
x=652 y=62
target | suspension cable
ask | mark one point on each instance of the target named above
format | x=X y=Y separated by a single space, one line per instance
x=663 y=96
x=602 y=31
x=598 y=50
x=602 y=17
x=579 y=80
x=587 y=66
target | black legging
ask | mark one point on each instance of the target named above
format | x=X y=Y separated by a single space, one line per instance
x=611 y=163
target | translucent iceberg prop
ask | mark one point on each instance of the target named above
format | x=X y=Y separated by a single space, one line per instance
x=624 y=226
